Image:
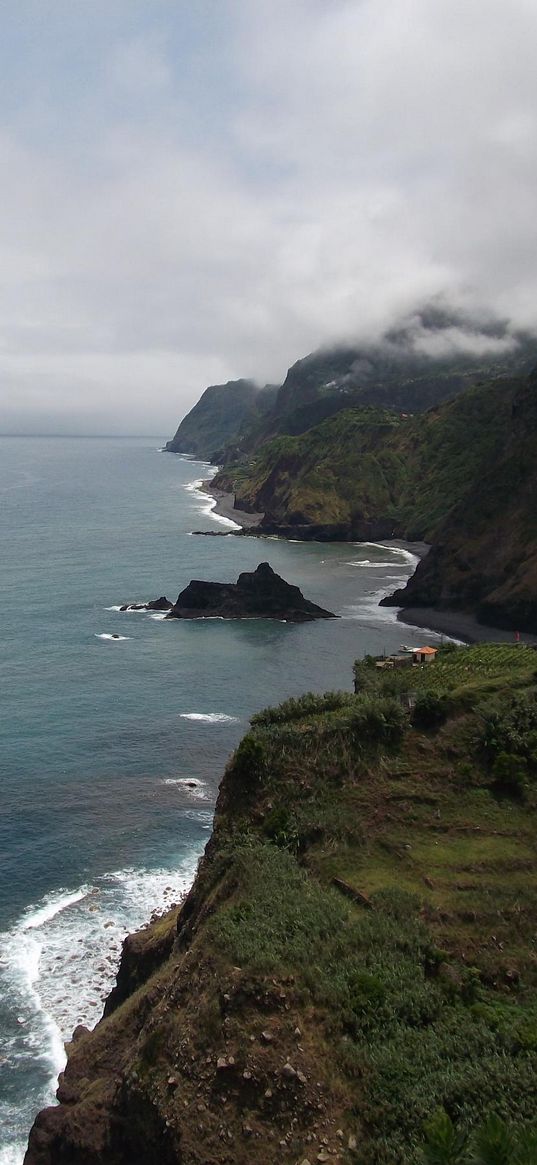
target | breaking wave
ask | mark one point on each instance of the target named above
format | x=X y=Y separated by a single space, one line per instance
x=210 y=717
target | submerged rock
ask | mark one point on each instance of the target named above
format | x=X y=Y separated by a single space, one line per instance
x=258 y=594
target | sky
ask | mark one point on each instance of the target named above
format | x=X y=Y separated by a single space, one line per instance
x=195 y=192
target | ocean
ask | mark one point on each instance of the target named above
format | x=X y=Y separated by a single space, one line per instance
x=112 y=749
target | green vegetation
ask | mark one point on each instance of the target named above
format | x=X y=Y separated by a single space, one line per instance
x=299 y=708
x=354 y=974
x=491 y=1144
x=217 y=418
x=421 y=979
x=462 y=476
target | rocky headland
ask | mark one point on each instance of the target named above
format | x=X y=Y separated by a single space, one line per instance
x=258 y=594
x=352 y=975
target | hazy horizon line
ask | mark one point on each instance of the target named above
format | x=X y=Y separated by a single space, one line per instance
x=89 y=436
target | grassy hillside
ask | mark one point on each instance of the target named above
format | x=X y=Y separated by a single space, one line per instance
x=375 y=463
x=353 y=976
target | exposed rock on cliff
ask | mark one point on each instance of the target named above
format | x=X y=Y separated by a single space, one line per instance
x=259 y=594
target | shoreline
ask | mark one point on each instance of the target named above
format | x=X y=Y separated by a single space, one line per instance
x=459 y=625
x=455 y=624
x=225 y=509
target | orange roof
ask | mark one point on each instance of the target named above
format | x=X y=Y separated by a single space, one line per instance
x=425 y=650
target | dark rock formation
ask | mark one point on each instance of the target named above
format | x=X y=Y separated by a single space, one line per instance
x=354 y=531
x=216 y=533
x=161 y=604
x=259 y=594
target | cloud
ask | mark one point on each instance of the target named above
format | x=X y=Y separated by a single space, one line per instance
x=195 y=194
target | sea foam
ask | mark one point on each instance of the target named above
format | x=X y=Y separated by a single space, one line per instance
x=57 y=965
x=195 y=788
x=210 y=717
x=208 y=504
x=107 y=635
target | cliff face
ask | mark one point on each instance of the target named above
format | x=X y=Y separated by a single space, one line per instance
x=391 y=374
x=356 y=950
x=484 y=556
x=349 y=448
x=461 y=476
x=414 y=366
x=216 y=419
x=411 y=368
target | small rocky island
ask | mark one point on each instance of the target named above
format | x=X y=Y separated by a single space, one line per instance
x=258 y=594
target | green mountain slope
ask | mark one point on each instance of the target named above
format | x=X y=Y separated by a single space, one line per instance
x=350 y=448
x=357 y=952
x=462 y=476
x=484 y=556
x=392 y=374
x=435 y=355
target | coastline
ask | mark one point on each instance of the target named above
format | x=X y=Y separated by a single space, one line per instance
x=455 y=624
x=224 y=507
x=459 y=625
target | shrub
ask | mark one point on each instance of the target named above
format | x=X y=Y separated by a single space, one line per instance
x=443 y=1144
x=281 y=827
x=512 y=729
x=493 y=1143
x=430 y=710
x=299 y=707
x=249 y=762
x=377 y=720
x=510 y=774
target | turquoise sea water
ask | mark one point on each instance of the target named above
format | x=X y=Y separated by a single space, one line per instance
x=99 y=736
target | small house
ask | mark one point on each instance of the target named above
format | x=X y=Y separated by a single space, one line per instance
x=424 y=654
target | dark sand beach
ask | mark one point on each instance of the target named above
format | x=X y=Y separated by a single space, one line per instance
x=459 y=625
x=224 y=506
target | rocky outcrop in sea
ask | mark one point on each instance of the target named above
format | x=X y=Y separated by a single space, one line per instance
x=258 y=594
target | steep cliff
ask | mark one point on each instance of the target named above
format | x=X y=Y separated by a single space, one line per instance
x=356 y=951
x=484 y=556
x=427 y=358
x=217 y=419
x=461 y=476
